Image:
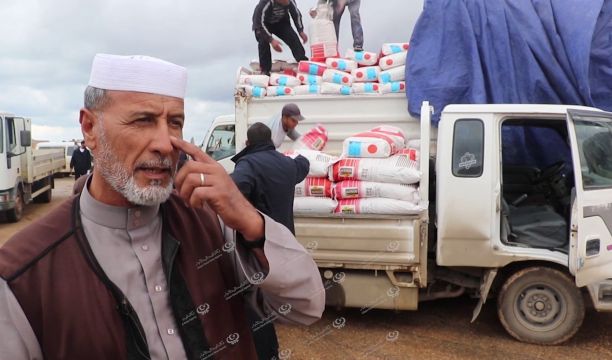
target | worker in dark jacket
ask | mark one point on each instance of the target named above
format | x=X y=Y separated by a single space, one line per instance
x=80 y=161
x=271 y=17
x=267 y=179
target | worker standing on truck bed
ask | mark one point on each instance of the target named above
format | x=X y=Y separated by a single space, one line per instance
x=338 y=7
x=271 y=17
x=131 y=268
x=284 y=124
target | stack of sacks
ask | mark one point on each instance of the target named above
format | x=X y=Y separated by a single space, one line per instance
x=254 y=85
x=393 y=66
x=310 y=76
x=337 y=79
x=376 y=175
x=359 y=72
x=314 y=194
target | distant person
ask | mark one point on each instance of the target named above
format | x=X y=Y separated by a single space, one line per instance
x=339 y=6
x=81 y=161
x=284 y=124
x=267 y=179
x=271 y=17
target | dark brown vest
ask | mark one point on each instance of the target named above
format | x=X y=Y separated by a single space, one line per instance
x=76 y=313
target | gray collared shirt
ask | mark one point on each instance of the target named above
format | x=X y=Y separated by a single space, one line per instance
x=127 y=244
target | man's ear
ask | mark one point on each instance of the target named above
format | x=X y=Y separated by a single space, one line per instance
x=89 y=122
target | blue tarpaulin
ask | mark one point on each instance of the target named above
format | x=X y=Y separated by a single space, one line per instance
x=512 y=51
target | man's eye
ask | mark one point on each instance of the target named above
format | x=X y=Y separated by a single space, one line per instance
x=143 y=120
x=176 y=124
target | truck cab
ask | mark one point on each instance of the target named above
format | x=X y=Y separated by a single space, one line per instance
x=25 y=175
x=496 y=206
x=518 y=209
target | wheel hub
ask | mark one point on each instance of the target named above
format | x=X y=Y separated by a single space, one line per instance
x=540 y=307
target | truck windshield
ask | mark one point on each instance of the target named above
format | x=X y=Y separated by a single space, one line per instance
x=595 y=146
x=222 y=142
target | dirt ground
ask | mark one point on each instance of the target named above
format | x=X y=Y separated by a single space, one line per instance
x=438 y=330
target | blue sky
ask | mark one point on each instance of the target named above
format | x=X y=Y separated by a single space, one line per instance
x=47 y=47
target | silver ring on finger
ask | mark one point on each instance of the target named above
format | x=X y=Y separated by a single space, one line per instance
x=202 y=179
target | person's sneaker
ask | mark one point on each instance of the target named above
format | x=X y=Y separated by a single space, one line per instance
x=358 y=48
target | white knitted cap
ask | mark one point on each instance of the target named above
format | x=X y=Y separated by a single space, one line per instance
x=138 y=73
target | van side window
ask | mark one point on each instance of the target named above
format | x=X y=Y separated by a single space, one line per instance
x=468 y=148
x=595 y=146
x=222 y=142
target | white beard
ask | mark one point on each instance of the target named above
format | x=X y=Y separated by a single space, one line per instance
x=122 y=180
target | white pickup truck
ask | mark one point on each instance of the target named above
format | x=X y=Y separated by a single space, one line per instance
x=537 y=239
x=25 y=174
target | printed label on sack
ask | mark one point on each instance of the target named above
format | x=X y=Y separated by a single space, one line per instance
x=313 y=69
x=346 y=171
x=282 y=81
x=351 y=192
x=395 y=87
x=337 y=78
x=345 y=90
x=317 y=190
x=354 y=148
x=347 y=209
x=396 y=49
x=341 y=65
x=385 y=78
x=258 y=91
x=371 y=74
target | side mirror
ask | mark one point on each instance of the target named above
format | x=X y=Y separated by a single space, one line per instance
x=25 y=138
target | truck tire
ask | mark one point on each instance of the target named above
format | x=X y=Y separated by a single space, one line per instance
x=44 y=197
x=15 y=214
x=540 y=305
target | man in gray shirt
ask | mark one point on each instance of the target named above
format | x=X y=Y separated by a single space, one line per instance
x=148 y=261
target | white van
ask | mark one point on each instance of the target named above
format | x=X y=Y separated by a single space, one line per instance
x=67 y=146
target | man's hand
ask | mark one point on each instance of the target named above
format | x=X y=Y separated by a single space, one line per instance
x=304 y=37
x=276 y=45
x=203 y=180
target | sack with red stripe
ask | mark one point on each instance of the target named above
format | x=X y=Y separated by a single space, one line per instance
x=355 y=189
x=319 y=162
x=314 y=139
x=394 y=48
x=378 y=206
x=311 y=67
x=284 y=80
x=397 y=169
x=313 y=205
x=363 y=58
x=412 y=153
x=380 y=142
x=317 y=187
x=337 y=77
x=393 y=60
x=345 y=65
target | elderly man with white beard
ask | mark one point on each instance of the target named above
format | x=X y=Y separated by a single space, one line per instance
x=131 y=268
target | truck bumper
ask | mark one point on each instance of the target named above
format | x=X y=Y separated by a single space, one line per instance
x=7 y=199
x=601 y=294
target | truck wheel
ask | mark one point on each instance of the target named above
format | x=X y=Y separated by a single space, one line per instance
x=540 y=305
x=44 y=197
x=15 y=214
